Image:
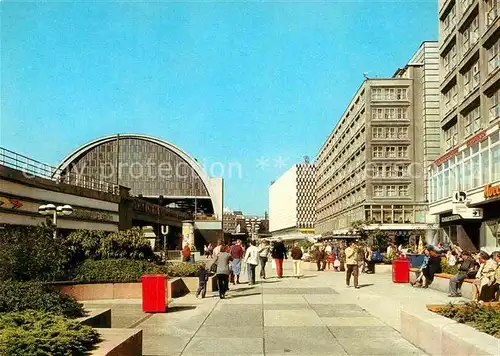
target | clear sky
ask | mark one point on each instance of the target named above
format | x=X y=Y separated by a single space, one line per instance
x=257 y=83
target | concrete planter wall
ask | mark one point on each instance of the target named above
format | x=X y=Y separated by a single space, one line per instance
x=119 y=342
x=176 y=287
x=441 y=336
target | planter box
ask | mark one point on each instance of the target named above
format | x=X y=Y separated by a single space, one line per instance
x=176 y=287
x=119 y=342
x=441 y=336
x=383 y=269
x=438 y=307
x=97 y=318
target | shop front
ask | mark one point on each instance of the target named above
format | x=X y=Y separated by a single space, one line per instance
x=476 y=233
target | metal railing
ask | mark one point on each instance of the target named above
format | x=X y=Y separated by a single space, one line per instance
x=33 y=168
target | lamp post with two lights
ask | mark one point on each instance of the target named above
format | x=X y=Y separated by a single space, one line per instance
x=51 y=209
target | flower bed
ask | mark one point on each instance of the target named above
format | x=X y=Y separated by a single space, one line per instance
x=485 y=318
x=40 y=333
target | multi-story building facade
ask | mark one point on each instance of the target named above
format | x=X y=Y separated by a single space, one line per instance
x=292 y=203
x=469 y=45
x=372 y=166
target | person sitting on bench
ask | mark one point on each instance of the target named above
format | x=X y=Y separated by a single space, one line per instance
x=485 y=278
x=468 y=269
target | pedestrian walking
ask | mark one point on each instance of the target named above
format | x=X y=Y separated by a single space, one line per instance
x=264 y=249
x=237 y=254
x=186 y=253
x=321 y=258
x=351 y=254
x=296 y=254
x=252 y=260
x=203 y=275
x=222 y=261
x=279 y=253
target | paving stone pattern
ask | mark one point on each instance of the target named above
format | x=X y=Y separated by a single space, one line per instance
x=310 y=316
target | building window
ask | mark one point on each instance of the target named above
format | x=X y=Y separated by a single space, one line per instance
x=378 y=190
x=391 y=190
x=402 y=132
x=450 y=99
x=391 y=132
x=390 y=152
x=378 y=132
x=403 y=191
x=471 y=34
x=402 y=113
x=471 y=79
x=449 y=22
x=450 y=60
x=390 y=113
x=401 y=94
x=492 y=11
x=378 y=152
x=450 y=137
x=494 y=57
x=390 y=172
x=402 y=152
x=377 y=93
x=377 y=114
x=379 y=171
x=472 y=122
x=494 y=106
x=402 y=171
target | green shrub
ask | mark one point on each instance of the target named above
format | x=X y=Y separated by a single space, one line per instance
x=121 y=270
x=181 y=269
x=30 y=253
x=483 y=318
x=97 y=245
x=20 y=296
x=115 y=270
x=39 y=333
x=448 y=269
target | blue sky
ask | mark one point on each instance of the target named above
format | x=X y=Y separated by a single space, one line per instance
x=226 y=82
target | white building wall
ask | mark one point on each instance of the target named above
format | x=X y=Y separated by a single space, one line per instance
x=283 y=201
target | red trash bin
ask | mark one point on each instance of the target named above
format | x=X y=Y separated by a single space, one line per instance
x=154 y=288
x=401 y=270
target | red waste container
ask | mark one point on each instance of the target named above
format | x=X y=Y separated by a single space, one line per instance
x=401 y=270
x=154 y=288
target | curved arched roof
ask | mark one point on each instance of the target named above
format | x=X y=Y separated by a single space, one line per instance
x=74 y=156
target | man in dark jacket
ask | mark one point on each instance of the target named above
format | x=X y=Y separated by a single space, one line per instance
x=467 y=269
x=320 y=256
x=278 y=253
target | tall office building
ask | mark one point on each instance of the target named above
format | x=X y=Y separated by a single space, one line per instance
x=292 y=203
x=469 y=35
x=372 y=165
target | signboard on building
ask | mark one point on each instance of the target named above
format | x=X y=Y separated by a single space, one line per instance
x=491 y=191
x=460 y=203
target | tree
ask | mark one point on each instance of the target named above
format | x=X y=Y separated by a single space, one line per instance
x=377 y=238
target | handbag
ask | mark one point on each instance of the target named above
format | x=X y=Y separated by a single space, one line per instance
x=213 y=267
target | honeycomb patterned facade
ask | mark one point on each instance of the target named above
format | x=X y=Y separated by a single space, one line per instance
x=306 y=196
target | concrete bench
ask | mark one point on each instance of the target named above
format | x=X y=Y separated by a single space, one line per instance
x=442 y=283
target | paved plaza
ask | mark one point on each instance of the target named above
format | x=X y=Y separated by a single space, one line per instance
x=315 y=315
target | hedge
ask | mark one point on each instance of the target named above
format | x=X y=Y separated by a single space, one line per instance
x=31 y=333
x=485 y=319
x=122 y=270
x=20 y=296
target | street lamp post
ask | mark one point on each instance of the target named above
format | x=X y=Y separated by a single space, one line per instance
x=253 y=225
x=51 y=209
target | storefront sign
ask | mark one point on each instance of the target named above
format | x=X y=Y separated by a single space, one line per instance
x=491 y=191
x=451 y=218
x=306 y=231
x=446 y=156
x=478 y=138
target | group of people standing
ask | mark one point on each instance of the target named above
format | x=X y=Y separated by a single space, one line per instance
x=227 y=262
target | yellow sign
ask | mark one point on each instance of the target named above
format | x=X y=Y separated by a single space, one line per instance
x=491 y=191
x=306 y=231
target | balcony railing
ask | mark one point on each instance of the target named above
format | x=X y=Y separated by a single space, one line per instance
x=492 y=15
x=32 y=168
